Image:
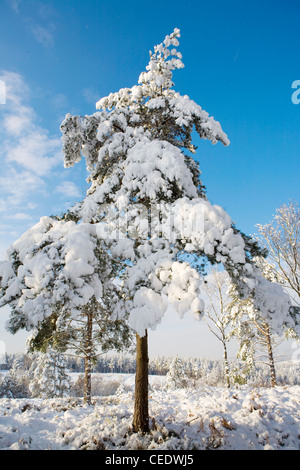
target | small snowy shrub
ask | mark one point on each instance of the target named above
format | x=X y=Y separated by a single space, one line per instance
x=50 y=378
x=176 y=377
x=103 y=388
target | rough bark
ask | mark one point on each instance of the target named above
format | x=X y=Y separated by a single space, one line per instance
x=141 y=411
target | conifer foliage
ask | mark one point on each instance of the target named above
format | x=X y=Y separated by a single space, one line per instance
x=50 y=377
x=176 y=376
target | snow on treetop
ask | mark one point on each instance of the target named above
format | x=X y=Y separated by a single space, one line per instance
x=147 y=112
x=156 y=83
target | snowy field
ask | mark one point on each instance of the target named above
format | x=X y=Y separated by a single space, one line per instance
x=185 y=419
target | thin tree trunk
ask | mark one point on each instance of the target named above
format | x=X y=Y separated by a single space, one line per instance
x=141 y=412
x=226 y=365
x=88 y=361
x=271 y=358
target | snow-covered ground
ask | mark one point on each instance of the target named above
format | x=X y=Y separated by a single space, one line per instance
x=199 y=418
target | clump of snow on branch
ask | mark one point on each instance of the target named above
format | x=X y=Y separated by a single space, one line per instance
x=53 y=265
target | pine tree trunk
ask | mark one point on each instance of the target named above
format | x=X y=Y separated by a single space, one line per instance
x=141 y=412
x=88 y=361
x=271 y=358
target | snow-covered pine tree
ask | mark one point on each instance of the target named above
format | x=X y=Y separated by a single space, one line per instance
x=58 y=281
x=15 y=383
x=51 y=378
x=145 y=184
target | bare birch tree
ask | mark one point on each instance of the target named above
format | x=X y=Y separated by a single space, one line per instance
x=216 y=312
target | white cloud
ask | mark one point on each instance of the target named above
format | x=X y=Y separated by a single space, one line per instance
x=14 y=5
x=20 y=216
x=16 y=88
x=91 y=95
x=16 y=124
x=28 y=153
x=31 y=163
x=17 y=187
x=17 y=117
x=36 y=152
x=25 y=142
x=68 y=189
x=60 y=101
x=43 y=34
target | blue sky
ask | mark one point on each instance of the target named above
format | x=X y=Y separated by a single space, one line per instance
x=240 y=58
